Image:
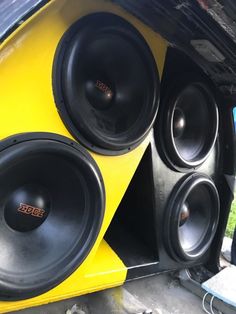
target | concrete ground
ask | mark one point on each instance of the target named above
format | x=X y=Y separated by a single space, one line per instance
x=158 y=295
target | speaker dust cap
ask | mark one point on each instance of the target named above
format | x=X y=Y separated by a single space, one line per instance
x=52 y=206
x=191 y=217
x=189 y=124
x=105 y=83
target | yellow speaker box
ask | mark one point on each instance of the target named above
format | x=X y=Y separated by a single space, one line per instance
x=79 y=95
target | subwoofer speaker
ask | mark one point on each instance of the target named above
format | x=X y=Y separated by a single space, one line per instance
x=176 y=207
x=191 y=217
x=105 y=83
x=189 y=123
x=52 y=207
x=92 y=77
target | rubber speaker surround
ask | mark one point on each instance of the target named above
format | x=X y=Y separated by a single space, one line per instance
x=191 y=218
x=188 y=123
x=105 y=84
x=51 y=210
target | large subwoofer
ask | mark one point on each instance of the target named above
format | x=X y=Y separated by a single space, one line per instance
x=189 y=122
x=52 y=205
x=191 y=217
x=106 y=83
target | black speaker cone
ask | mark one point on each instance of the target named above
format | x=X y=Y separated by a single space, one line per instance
x=105 y=83
x=51 y=210
x=190 y=124
x=192 y=217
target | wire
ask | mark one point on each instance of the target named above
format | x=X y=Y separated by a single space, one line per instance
x=211 y=304
x=203 y=303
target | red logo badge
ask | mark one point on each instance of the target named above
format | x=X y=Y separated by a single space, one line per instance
x=104 y=88
x=31 y=210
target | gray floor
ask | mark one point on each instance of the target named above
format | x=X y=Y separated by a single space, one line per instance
x=161 y=294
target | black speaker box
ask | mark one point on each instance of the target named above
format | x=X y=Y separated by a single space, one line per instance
x=175 y=210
